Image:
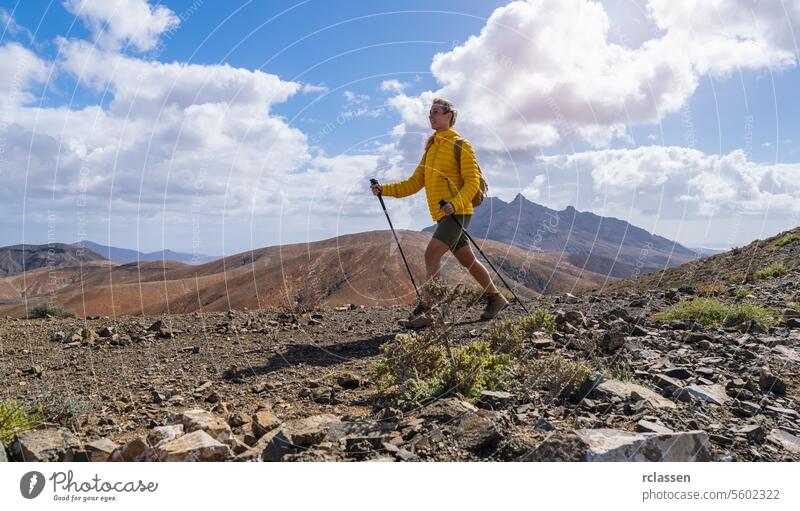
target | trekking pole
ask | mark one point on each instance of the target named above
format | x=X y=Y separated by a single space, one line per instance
x=380 y=197
x=443 y=203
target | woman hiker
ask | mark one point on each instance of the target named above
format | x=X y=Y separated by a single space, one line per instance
x=439 y=173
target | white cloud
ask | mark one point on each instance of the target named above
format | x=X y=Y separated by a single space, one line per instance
x=19 y=69
x=11 y=27
x=545 y=70
x=673 y=182
x=392 y=85
x=314 y=89
x=116 y=22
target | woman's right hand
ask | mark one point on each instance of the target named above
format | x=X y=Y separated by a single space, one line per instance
x=376 y=189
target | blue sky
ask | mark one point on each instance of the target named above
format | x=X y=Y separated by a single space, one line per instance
x=691 y=133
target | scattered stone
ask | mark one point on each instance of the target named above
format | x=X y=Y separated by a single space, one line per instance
x=349 y=381
x=679 y=373
x=135 y=450
x=714 y=394
x=263 y=422
x=447 y=410
x=195 y=446
x=619 y=445
x=644 y=426
x=609 y=341
x=624 y=390
x=192 y=420
x=51 y=444
x=495 y=399
x=164 y=434
x=474 y=432
x=100 y=449
x=754 y=433
x=785 y=439
x=771 y=383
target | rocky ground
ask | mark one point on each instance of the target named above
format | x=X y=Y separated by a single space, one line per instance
x=271 y=385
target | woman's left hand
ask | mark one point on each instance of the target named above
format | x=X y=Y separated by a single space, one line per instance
x=448 y=209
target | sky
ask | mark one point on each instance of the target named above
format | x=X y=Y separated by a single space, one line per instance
x=221 y=127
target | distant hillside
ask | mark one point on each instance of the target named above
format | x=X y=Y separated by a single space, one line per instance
x=603 y=245
x=18 y=258
x=126 y=255
x=736 y=265
x=363 y=268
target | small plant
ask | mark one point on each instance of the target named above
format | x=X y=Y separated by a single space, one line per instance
x=16 y=417
x=418 y=368
x=620 y=371
x=742 y=292
x=555 y=374
x=773 y=270
x=476 y=369
x=44 y=310
x=410 y=362
x=509 y=336
x=712 y=312
x=61 y=409
x=736 y=278
x=712 y=289
x=785 y=240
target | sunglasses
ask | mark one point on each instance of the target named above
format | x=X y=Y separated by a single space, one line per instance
x=436 y=111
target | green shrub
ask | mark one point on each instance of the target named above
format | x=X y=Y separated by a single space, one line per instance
x=736 y=278
x=773 y=270
x=412 y=363
x=477 y=369
x=555 y=374
x=712 y=312
x=15 y=417
x=43 y=310
x=417 y=368
x=786 y=239
x=711 y=289
x=509 y=336
x=59 y=408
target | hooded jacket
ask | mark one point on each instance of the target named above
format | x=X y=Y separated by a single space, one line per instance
x=439 y=174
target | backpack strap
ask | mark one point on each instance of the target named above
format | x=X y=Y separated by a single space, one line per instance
x=457 y=149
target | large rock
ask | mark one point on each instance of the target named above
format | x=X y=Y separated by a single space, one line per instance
x=195 y=446
x=475 y=432
x=786 y=440
x=714 y=394
x=448 y=409
x=135 y=450
x=263 y=422
x=198 y=419
x=310 y=430
x=291 y=437
x=164 y=434
x=626 y=390
x=620 y=445
x=52 y=444
x=100 y=449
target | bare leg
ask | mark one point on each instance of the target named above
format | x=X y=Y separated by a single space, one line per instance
x=433 y=257
x=478 y=271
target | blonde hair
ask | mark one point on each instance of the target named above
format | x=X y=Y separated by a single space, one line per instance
x=448 y=107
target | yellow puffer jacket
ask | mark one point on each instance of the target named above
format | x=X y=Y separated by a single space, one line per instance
x=438 y=173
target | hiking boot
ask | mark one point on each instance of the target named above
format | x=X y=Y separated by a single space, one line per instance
x=419 y=310
x=495 y=303
x=421 y=321
x=420 y=317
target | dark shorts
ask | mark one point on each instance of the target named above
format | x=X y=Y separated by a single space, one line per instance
x=448 y=231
